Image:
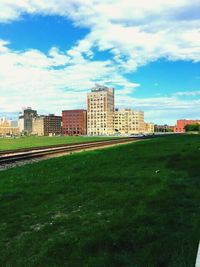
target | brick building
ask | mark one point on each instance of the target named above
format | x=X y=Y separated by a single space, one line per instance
x=180 y=124
x=74 y=122
x=52 y=125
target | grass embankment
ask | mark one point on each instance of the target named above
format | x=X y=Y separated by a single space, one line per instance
x=34 y=141
x=105 y=208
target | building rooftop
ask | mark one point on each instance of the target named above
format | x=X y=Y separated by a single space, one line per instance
x=99 y=88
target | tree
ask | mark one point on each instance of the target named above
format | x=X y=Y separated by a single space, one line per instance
x=192 y=127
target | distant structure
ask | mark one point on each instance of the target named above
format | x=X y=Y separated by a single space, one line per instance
x=6 y=129
x=52 y=125
x=26 y=120
x=4 y=122
x=129 y=121
x=149 y=127
x=38 y=126
x=14 y=123
x=100 y=111
x=100 y=118
x=74 y=122
x=180 y=125
x=163 y=128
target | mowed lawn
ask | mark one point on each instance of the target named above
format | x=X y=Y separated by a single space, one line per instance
x=35 y=141
x=134 y=205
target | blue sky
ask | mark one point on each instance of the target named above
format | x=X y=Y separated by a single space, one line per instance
x=52 y=53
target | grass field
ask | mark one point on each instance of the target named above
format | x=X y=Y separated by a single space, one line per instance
x=103 y=208
x=33 y=141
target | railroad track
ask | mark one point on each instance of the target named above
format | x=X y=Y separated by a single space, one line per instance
x=53 y=146
x=39 y=152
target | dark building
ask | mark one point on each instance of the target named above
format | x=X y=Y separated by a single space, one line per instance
x=163 y=128
x=27 y=118
x=74 y=122
x=52 y=125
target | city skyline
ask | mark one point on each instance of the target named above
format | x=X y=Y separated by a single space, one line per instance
x=52 y=53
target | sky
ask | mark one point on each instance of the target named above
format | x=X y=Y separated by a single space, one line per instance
x=53 y=52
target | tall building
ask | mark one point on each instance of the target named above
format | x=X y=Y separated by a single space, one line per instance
x=180 y=125
x=74 y=122
x=129 y=121
x=38 y=126
x=52 y=125
x=100 y=111
x=26 y=120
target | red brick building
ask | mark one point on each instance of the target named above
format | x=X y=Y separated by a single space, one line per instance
x=180 y=124
x=74 y=122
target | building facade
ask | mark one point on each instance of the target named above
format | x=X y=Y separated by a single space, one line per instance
x=6 y=128
x=180 y=125
x=4 y=122
x=26 y=120
x=149 y=127
x=100 y=111
x=74 y=122
x=129 y=121
x=14 y=123
x=52 y=125
x=163 y=128
x=21 y=124
x=9 y=131
x=38 y=126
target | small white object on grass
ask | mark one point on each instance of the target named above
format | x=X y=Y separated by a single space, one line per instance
x=198 y=257
x=157 y=171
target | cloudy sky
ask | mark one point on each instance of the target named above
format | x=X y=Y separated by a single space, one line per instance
x=52 y=52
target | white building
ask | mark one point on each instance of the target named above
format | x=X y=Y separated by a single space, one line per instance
x=100 y=111
x=129 y=121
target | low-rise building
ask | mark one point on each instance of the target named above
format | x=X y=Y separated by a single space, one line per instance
x=180 y=125
x=163 y=128
x=129 y=121
x=74 y=122
x=52 y=125
x=9 y=131
x=149 y=127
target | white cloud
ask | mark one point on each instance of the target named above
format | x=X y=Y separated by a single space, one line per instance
x=162 y=109
x=136 y=32
x=55 y=81
x=188 y=93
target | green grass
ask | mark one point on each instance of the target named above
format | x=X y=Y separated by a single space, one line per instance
x=105 y=208
x=34 y=141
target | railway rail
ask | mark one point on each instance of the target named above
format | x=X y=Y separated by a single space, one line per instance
x=3 y=152
x=39 y=152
